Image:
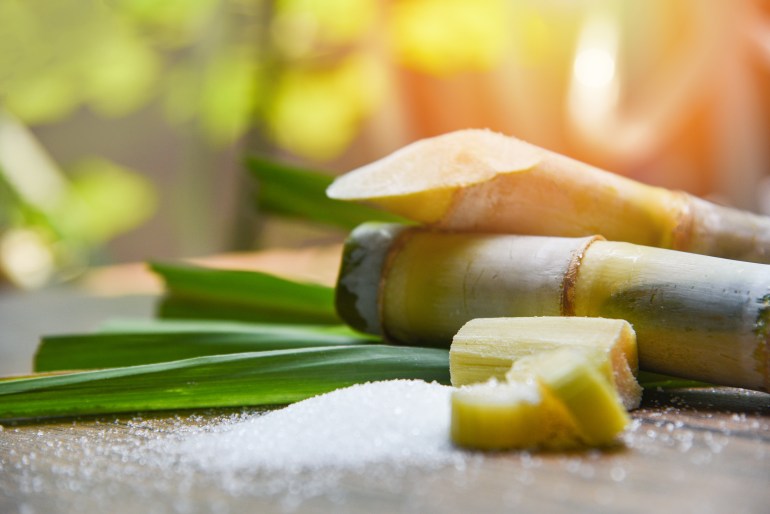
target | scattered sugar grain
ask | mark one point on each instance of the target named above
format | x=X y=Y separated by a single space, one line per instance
x=399 y=423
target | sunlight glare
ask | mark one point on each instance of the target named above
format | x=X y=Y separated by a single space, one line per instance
x=594 y=67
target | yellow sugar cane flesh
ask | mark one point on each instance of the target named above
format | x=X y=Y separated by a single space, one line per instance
x=575 y=378
x=481 y=181
x=556 y=399
x=511 y=415
x=487 y=348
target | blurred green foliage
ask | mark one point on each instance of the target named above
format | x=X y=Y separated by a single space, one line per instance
x=197 y=60
x=49 y=221
x=104 y=200
x=308 y=71
x=303 y=74
x=197 y=57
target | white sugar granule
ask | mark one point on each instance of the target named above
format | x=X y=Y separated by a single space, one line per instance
x=400 y=423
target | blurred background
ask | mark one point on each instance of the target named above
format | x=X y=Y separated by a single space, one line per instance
x=124 y=124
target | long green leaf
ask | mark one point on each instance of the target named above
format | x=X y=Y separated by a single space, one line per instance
x=648 y=379
x=295 y=192
x=111 y=350
x=155 y=325
x=261 y=378
x=207 y=293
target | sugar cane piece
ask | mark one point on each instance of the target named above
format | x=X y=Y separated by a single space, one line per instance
x=487 y=348
x=695 y=316
x=481 y=181
x=511 y=415
x=555 y=399
x=575 y=378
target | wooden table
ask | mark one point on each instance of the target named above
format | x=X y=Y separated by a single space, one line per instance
x=688 y=451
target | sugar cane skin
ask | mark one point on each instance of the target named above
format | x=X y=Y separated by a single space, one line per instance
x=480 y=181
x=695 y=316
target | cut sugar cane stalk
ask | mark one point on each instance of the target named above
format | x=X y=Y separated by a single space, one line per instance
x=487 y=348
x=695 y=316
x=481 y=181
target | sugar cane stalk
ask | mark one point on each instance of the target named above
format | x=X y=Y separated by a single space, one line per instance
x=481 y=181
x=695 y=316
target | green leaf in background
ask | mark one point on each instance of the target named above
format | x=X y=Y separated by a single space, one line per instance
x=650 y=380
x=260 y=378
x=206 y=293
x=295 y=192
x=112 y=350
x=154 y=325
x=105 y=200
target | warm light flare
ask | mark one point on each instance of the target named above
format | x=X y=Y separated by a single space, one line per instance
x=595 y=85
x=594 y=67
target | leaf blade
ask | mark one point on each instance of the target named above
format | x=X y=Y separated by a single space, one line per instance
x=198 y=292
x=112 y=350
x=299 y=193
x=154 y=325
x=258 y=378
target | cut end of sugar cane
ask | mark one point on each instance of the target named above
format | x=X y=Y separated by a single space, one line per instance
x=487 y=348
x=356 y=296
x=557 y=399
x=419 y=180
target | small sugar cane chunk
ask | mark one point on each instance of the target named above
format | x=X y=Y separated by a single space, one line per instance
x=576 y=379
x=511 y=415
x=488 y=347
x=557 y=399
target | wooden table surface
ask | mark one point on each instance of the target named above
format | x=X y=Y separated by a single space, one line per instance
x=687 y=451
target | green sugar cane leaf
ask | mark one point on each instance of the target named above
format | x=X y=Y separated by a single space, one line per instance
x=173 y=307
x=650 y=380
x=110 y=350
x=295 y=192
x=206 y=293
x=244 y=379
x=155 y=325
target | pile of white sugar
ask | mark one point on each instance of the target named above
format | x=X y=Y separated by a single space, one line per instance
x=325 y=449
x=400 y=423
